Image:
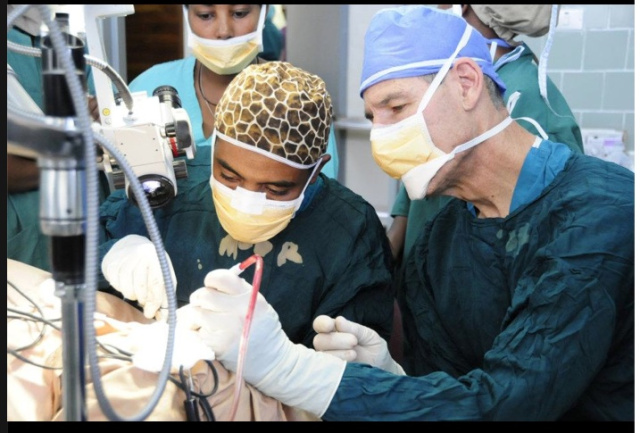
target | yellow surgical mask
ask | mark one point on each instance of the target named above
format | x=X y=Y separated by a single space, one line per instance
x=402 y=146
x=416 y=181
x=249 y=216
x=230 y=56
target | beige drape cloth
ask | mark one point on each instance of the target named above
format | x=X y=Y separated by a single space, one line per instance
x=35 y=394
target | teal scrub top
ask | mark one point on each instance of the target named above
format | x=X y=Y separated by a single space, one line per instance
x=27 y=68
x=519 y=75
x=333 y=258
x=179 y=74
x=272 y=40
x=523 y=318
x=25 y=241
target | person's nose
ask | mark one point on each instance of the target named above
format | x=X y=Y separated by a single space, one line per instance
x=224 y=29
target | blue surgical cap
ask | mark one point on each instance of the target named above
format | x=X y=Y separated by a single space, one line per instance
x=411 y=41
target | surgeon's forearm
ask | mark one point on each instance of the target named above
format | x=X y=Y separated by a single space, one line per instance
x=22 y=174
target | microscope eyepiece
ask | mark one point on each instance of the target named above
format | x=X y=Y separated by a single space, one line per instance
x=168 y=94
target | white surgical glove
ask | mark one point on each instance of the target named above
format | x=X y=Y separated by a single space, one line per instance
x=353 y=342
x=150 y=343
x=132 y=268
x=292 y=373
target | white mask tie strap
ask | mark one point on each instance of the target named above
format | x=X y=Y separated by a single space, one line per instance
x=445 y=69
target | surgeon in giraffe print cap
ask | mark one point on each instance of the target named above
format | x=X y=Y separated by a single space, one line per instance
x=296 y=102
x=325 y=250
x=280 y=112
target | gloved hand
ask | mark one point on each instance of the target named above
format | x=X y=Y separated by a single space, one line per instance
x=353 y=342
x=294 y=374
x=150 y=343
x=132 y=267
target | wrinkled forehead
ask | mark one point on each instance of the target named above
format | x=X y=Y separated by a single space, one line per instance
x=393 y=93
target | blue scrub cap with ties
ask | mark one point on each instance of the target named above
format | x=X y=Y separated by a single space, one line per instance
x=416 y=40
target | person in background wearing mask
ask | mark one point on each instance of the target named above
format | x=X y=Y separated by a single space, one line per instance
x=324 y=248
x=223 y=40
x=518 y=297
x=542 y=112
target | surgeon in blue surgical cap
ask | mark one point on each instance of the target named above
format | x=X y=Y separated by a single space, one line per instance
x=517 y=299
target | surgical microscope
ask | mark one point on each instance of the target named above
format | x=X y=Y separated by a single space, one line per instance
x=142 y=138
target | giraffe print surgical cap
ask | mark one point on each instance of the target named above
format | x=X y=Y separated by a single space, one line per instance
x=277 y=108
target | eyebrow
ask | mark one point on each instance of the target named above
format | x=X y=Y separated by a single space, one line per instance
x=278 y=183
x=391 y=97
x=388 y=99
x=226 y=166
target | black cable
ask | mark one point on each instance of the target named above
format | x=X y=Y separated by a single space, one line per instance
x=37 y=307
x=203 y=399
x=109 y=348
x=204 y=404
x=34 y=318
x=28 y=361
x=24 y=295
x=115 y=356
x=194 y=399
x=215 y=382
x=190 y=402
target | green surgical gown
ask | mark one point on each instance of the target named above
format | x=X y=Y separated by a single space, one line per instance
x=333 y=258
x=528 y=317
